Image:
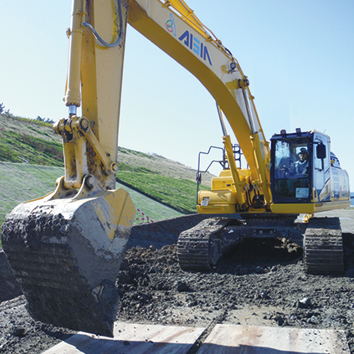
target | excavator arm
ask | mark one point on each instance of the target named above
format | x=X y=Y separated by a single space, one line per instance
x=95 y=79
x=175 y=29
x=66 y=248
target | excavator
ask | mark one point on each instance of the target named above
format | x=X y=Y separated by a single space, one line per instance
x=66 y=247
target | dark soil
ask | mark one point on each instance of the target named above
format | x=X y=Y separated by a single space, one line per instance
x=260 y=283
x=9 y=287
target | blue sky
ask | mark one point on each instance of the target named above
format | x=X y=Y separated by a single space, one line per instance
x=297 y=54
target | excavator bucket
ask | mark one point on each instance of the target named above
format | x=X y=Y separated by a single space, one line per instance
x=66 y=254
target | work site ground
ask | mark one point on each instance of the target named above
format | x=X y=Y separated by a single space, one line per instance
x=261 y=284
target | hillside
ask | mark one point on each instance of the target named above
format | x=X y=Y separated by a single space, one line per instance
x=164 y=180
x=31 y=160
x=34 y=141
x=130 y=160
x=22 y=182
x=30 y=141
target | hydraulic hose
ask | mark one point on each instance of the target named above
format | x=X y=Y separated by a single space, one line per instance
x=100 y=40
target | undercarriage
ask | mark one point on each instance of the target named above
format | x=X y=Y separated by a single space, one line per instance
x=200 y=248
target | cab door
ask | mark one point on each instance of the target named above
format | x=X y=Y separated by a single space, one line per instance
x=321 y=165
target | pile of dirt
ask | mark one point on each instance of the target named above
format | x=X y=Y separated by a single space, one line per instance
x=261 y=283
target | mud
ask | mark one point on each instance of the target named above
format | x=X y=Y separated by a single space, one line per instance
x=163 y=232
x=45 y=257
x=9 y=287
x=259 y=283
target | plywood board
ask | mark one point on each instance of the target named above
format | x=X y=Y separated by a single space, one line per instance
x=227 y=339
x=133 y=339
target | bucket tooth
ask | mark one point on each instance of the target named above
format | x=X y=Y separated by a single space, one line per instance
x=66 y=255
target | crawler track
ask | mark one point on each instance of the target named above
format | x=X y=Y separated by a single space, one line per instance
x=199 y=248
x=323 y=247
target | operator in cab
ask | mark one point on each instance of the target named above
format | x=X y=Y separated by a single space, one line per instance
x=301 y=166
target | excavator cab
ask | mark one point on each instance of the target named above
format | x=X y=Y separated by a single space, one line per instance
x=302 y=175
x=292 y=168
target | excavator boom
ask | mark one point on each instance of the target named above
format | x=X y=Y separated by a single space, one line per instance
x=176 y=30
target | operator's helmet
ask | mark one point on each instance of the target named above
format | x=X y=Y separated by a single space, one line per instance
x=303 y=151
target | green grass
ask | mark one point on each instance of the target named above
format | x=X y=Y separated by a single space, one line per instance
x=133 y=152
x=29 y=121
x=150 y=208
x=38 y=151
x=160 y=188
x=23 y=182
x=178 y=193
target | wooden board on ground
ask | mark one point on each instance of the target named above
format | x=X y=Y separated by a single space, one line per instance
x=227 y=339
x=133 y=339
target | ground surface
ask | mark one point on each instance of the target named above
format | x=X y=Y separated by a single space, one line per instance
x=261 y=283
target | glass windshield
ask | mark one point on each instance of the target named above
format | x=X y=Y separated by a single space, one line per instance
x=291 y=160
x=291 y=170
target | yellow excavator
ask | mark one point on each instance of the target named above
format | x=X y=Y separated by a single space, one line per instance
x=66 y=248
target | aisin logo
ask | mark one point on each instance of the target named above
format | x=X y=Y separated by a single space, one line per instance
x=171 y=25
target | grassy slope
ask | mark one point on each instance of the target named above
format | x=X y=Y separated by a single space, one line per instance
x=164 y=180
x=167 y=188
x=29 y=140
x=179 y=193
x=134 y=160
x=23 y=182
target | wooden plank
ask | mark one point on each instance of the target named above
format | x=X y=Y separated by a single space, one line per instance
x=133 y=339
x=227 y=339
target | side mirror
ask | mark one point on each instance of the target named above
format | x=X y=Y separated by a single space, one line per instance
x=321 y=151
